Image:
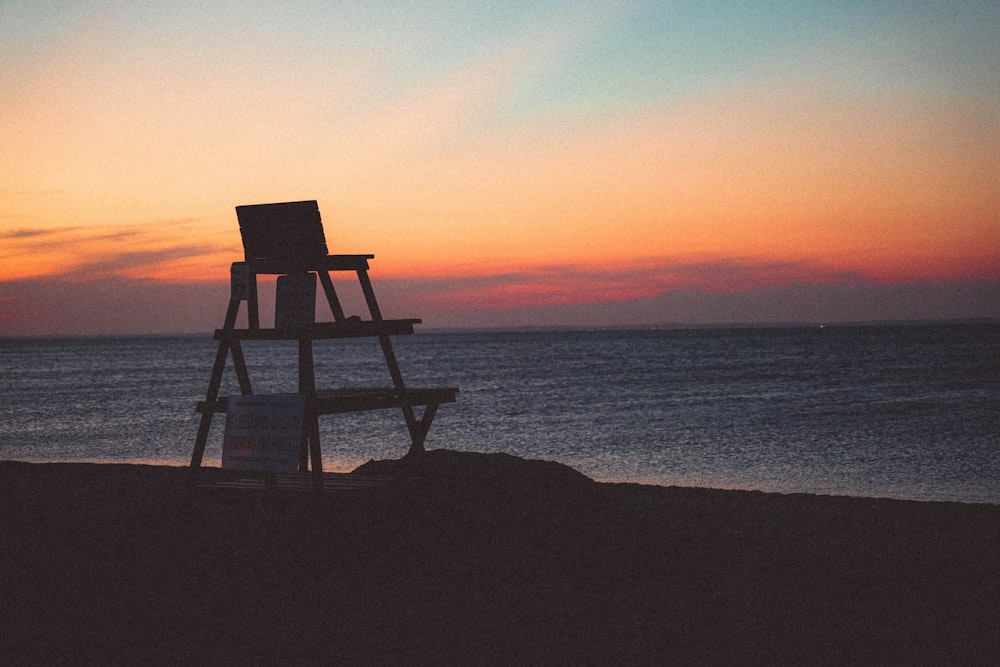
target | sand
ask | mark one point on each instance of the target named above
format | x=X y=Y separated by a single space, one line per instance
x=484 y=559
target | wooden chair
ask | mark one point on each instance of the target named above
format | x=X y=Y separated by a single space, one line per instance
x=287 y=239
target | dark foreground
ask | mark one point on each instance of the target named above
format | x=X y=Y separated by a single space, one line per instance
x=484 y=559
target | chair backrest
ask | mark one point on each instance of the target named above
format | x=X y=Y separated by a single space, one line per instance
x=287 y=237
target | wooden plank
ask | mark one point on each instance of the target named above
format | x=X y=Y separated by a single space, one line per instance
x=326 y=263
x=349 y=328
x=307 y=387
x=331 y=296
x=338 y=401
x=214 y=383
x=342 y=400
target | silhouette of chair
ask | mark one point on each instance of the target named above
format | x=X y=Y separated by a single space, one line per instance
x=287 y=239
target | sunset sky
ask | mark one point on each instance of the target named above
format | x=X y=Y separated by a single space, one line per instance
x=508 y=163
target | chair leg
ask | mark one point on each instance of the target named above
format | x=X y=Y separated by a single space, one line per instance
x=420 y=429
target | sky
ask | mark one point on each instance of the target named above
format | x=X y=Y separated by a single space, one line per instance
x=508 y=163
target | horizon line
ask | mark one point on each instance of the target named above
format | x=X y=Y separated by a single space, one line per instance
x=569 y=328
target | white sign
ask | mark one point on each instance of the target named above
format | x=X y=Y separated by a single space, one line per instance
x=263 y=432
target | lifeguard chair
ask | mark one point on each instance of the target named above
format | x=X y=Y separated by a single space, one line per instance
x=287 y=239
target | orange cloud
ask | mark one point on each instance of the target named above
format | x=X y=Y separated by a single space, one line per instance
x=169 y=251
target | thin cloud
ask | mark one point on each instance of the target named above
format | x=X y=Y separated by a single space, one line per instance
x=33 y=233
x=581 y=284
x=66 y=240
x=417 y=120
x=122 y=262
x=80 y=253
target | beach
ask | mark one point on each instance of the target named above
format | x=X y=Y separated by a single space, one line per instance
x=473 y=558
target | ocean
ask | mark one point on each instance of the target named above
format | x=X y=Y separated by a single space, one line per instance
x=901 y=411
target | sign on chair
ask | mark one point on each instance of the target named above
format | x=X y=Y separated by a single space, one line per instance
x=263 y=432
